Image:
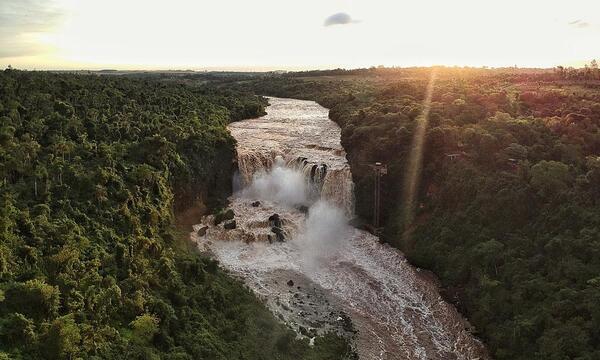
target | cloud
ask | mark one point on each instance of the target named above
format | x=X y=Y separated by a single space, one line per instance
x=339 y=19
x=580 y=24
x=20 y=23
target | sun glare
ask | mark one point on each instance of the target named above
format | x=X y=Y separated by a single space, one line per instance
x=412 y=176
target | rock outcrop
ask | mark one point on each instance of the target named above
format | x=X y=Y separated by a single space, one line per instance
x=223 y=216
x=230 y=225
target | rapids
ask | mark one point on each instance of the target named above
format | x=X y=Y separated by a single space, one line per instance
x=326 y=275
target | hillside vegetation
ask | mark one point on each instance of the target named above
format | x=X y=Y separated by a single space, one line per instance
x=508 y=208
x=90 y=265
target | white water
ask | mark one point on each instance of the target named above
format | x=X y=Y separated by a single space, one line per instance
x=291 y=157
x=281 y=185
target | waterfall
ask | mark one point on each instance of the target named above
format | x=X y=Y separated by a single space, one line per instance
x=328 y=182
x=292 y=245
x=338 y=188
x=254 y=162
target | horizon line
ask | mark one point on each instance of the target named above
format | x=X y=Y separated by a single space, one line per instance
x=259 y=69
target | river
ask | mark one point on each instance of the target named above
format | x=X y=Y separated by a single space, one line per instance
x=325 y=275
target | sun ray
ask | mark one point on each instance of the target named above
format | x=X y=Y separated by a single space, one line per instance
x=412 y=175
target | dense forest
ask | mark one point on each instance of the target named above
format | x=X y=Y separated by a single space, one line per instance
x=91 y=266
x=508 y=207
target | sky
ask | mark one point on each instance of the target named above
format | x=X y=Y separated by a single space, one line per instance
x=295 y=35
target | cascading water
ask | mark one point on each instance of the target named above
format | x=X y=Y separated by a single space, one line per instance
x=296 y=186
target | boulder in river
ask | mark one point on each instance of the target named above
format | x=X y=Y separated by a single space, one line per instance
x=202 y=231
x=278 y=233
x=229 y=225
x=224 y=215
x=256 y=204
x=290 y=283
x=275 y=220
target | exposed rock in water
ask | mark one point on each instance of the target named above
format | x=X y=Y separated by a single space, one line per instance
x=256 y=204
x=229 y=225
x=290 y=283
x=202 y=231
x=275 y=221
x=278 y=234
x=223 y=216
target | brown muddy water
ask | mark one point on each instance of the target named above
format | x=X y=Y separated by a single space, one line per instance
x=326 y=275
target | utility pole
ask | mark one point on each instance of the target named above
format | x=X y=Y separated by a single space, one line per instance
x=379 y=170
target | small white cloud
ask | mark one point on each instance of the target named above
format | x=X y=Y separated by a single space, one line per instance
x=339 y=19
x=580 y=24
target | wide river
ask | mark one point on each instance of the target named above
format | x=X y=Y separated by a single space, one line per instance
x=325 y=275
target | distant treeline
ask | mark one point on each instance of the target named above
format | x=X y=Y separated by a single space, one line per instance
x=508 y=208
x=90 y=264
x=587 y=72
